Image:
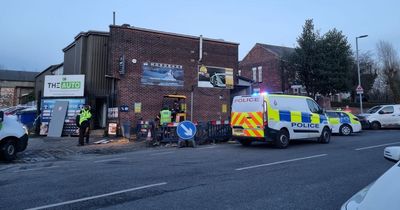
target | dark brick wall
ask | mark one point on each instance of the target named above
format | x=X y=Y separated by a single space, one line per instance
x=148 y=46
x=271 y=77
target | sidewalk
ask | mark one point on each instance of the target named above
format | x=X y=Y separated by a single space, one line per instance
x=51 y=148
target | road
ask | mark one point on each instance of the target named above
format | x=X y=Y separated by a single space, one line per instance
x=307 y=175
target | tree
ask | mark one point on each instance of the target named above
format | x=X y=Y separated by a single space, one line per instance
x=335 y=63
x=368 y=74
x=390 y=67
x=305 y=57
x=322 y=64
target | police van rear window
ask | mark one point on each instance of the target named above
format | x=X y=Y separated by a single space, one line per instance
x=247 y=104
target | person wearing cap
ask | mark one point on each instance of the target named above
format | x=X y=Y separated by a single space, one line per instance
x=84 y=124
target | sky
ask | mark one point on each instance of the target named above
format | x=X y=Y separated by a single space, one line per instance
x=33 y=33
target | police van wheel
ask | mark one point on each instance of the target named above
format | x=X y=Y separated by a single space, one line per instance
x=325 y=136
x=345 y=130
x=282 y=139
x=245 y=143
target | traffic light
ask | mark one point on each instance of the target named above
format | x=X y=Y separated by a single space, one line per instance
x=121 y=64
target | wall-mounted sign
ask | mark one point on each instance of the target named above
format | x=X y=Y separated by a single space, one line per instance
x=162 y=74
x=124 y=108
x=217 y=77
x=64 y=85
x=112 y=113
x=138 y=107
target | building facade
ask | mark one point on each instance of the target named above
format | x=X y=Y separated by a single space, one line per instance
x=264 y=64
x=15 y=87
x=147 y=65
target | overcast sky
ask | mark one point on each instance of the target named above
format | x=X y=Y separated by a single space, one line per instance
x=33 y=33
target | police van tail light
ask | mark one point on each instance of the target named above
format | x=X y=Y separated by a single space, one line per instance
x=265 y=123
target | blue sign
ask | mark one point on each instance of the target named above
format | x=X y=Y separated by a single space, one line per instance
x=186 y=130
x=124 y=108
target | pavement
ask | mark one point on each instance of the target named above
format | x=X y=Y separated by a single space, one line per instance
x=64 y=148
x=306 y=175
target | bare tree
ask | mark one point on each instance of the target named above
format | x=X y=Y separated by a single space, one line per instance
x=390 y=67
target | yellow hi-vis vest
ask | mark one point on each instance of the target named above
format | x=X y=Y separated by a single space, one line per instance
x=165 y=116
x=85 y=115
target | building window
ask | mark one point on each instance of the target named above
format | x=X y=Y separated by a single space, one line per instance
x=259 y=74
x=254 y=69
x=239 y=72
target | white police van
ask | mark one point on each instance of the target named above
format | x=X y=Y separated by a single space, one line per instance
x=278 y=118
x=13 y=137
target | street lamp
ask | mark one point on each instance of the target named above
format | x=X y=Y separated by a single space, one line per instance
x=358 y=70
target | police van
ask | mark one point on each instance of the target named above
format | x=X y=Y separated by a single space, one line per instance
x=278 y=118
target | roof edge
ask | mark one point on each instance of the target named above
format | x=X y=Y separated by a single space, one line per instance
x=127 y=26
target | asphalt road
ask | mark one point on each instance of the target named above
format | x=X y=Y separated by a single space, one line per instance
x=307 y=175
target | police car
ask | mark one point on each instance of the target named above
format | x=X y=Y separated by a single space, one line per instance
x=278 y=118
x=343 y=123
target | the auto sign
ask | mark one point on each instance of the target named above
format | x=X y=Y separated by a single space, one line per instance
x=64 y=85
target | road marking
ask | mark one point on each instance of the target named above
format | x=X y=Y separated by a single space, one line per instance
x=209 y=147
x=98 y=196
x=280 y=162
x=161 y=153
x=35 y=169
x=101 y=161
x=380 y=145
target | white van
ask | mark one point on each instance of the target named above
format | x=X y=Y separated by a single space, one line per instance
x=278 y=118
x=383 y=116
x=13 y=137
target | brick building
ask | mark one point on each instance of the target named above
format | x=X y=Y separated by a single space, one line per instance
x=15 y=87
x=133 y=52
x=264 y=65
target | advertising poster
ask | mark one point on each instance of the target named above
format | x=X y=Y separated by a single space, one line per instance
x=64 y=85
x=162 y=74
x=112 y=113
x=74 y=107
x=215 y=77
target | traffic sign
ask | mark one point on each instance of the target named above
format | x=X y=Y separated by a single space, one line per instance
x=359 y=89
x=186 y=130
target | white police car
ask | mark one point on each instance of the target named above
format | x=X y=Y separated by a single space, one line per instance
x=343 y=123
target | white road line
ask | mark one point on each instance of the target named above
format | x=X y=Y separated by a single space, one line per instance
x=101 y=161
x=280 y=162
x=35 y=169
x=97 y=196
x=375 y=146
x=209 y=147
x=161 y=153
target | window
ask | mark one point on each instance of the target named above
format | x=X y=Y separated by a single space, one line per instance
x=314 y=107
x=332 y=114
x=239 y=72
x=254 y=69
x=259 y=74
x=387 y=110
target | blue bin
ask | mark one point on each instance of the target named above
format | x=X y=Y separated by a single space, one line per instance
x=27 y=117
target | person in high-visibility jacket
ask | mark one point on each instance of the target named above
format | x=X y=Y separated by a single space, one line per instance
x=165 y=116
x=84 y=124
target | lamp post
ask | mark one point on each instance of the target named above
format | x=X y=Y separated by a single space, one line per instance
x=358 y=70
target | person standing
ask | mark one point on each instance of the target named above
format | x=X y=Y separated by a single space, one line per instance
x=84 y=124
x=165 y=116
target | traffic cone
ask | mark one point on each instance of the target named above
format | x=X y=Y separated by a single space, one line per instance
x=149 y=136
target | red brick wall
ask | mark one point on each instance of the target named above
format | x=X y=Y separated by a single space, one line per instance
x=271 y=76
x=145 y=46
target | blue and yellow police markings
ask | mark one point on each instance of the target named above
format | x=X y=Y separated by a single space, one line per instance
x=301 y=119
x=344 y=123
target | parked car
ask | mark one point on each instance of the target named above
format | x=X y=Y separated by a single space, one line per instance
x=381 y=194
x=383 y=116
x=343 y=123
x=13 y=137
